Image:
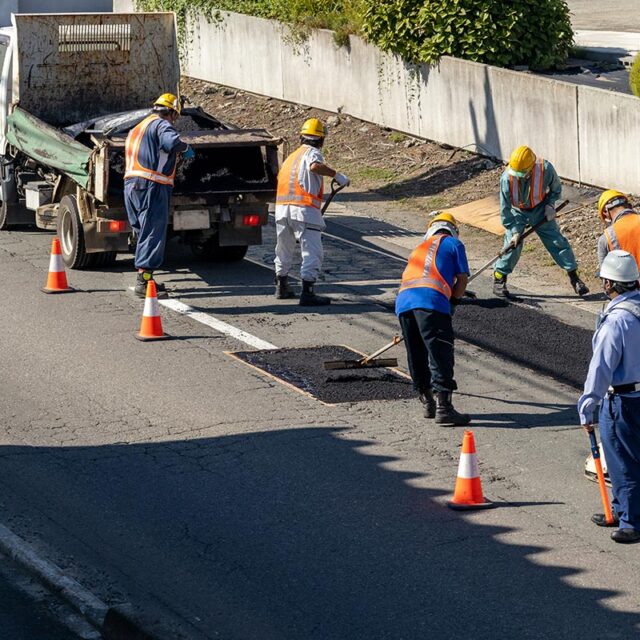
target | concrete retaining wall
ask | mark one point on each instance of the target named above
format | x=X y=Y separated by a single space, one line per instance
x=589 y=134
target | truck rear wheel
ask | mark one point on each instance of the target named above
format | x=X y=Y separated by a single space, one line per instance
x=4 y=216
x=71 y=235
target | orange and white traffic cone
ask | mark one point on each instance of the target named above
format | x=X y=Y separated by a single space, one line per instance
x=57 y=278
x=468 y=490
x=151 y=325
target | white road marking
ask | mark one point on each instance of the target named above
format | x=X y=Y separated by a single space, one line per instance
x=218 y=325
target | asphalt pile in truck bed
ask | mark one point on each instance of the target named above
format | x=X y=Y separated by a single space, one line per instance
x=304 y=369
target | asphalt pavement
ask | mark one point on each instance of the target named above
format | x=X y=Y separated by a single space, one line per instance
x=605 y=15
x=174 y=477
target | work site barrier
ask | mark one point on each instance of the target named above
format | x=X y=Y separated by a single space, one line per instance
x=589 y=134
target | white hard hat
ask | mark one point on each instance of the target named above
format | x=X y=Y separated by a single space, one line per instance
x=619 y=266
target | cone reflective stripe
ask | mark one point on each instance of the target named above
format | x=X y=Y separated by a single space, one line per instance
x=468 y=490
x=151 y=325
x=57 y=278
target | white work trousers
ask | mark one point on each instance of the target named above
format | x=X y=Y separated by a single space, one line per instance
x=310 y=238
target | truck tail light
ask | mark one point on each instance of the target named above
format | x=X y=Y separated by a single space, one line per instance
x=251 y=221
x=117 y=225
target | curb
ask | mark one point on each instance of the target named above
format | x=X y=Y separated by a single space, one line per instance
x=114 y=623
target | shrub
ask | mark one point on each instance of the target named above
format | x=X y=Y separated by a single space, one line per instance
x=634 y=76
x=536 y=33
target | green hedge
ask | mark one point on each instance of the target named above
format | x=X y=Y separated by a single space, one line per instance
x=634 y=76
x=536 y=33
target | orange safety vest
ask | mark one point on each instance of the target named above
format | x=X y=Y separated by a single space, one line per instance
x=290 y=190
x=421 y=270
x=624 y=234
x=133 y=168
x=536 y=189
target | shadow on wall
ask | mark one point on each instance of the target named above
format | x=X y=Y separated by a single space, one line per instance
x=489 y=143
x=300 y=533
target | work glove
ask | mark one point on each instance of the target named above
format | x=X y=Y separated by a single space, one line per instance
x=515 y=239
x=188 y=153
x=549 y=212
x=342 y=180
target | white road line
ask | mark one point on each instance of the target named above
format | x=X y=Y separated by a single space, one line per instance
x=218 y=325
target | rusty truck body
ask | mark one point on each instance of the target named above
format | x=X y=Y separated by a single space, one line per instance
x=71 y=88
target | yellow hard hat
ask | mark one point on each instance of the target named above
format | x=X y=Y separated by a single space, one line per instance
x=168 y=101
x=609 y=196
x=443 y=216
x=521 y=161
x=443 y=221
x=313 y=127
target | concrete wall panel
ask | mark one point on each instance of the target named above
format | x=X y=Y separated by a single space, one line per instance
x=609 y=148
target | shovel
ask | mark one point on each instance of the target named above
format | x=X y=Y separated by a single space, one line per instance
x=368 y=361
x=595 y=452
x=335 y=189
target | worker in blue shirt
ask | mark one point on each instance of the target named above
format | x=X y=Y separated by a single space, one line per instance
x=529 y=189
x=614 y=380
x=433 y=282
x=151 y=153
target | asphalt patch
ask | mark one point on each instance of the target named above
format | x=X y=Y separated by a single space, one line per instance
x=526 y=337
x=304 y=369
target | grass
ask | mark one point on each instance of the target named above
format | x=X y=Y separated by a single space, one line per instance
x=376 y=174
x=397 y=137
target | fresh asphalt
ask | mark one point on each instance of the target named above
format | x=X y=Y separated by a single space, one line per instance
x=179 y=479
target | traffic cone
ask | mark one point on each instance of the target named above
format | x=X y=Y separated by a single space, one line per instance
x=57 y=278
x=151 y=325
x=468 y=491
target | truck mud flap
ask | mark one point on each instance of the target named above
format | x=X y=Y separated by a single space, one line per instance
x=233 y=237
x=97 y=242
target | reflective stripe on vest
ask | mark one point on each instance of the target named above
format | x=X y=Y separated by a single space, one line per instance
x=132 y=147
x=536 y=187
x=421 y=270
x=290 y=190
x=624 y=234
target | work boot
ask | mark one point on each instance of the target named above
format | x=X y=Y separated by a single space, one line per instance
x=601 y=520
x=578 y=286
x=283 y=290
x=446 y=414
x=500 y=285
x=141 y=285
x=626 y=536
x=309 y=299
x=429 y=403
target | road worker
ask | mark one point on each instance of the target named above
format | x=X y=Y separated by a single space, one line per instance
x=614 y=380
x=529 y=189
x=622 y=225
x=151 y=152
x=298 y=214
x=433 y=282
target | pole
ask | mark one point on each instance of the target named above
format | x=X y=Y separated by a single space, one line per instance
x=595 y=451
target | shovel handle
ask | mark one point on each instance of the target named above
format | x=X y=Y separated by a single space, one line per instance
x=595 y=452
x=396 y=340
x=335 y=189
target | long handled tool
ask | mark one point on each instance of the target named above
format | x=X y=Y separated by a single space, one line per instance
x=595 y=452
x=335 y=189
x=368 y=361
x=526 y=234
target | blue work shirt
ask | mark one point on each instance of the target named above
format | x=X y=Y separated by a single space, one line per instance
x=517 y=219
x=451 y=261
x=616 y=356
x=160 y=146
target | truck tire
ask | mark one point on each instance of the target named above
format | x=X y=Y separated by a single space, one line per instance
x=4 y=216
x=71 y=235
x=209 y=250
x=104 y=259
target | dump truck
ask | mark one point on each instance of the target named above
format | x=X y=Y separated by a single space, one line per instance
x=71 y=88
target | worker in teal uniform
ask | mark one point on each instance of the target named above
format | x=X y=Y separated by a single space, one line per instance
x=529 y=189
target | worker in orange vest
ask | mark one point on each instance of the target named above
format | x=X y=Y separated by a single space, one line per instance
x=433 y=282
x=622 y=225
x=151 y=154
x=299 y=216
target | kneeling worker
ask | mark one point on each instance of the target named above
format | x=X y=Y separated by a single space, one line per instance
x=622 y=225
x=433 y=282
x=529 y=189
x=299 y=215
x=614 y=380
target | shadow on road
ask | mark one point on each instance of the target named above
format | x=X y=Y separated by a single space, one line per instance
x=299 y=533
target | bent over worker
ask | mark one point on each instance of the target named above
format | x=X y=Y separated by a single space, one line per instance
x=622 y=225
x=433 y=282
x=151 y=152
x=614 y=379
x=529 y=189
x=299 y=216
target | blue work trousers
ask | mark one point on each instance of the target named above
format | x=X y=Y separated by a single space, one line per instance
x=620 y=434
x=428 y=337
x=552 y=239
x=147 y=205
